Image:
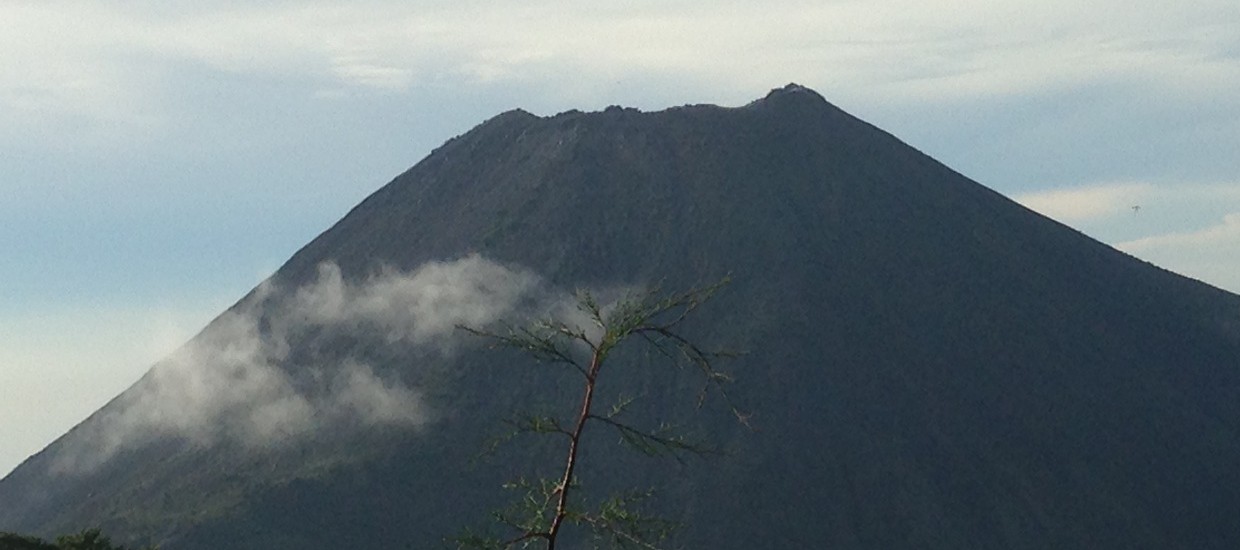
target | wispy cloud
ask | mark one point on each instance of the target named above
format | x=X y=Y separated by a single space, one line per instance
x=1090 y=203
x=1223 y=233
x=1191 y=229
x=119 y=77
x=1160 y=208
x=258 y=378
x=356 y=72
x=1206 y=254
x=898 y=47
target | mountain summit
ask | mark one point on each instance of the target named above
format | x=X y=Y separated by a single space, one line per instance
x=929 y=364
x=793 y=94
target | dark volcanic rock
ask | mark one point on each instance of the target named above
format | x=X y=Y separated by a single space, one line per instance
x=930 y=364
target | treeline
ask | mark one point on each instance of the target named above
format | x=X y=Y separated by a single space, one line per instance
x=90 y=539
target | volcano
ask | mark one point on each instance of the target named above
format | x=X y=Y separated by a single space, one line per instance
x=927 y=363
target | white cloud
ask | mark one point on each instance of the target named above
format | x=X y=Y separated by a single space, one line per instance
x=367 y=396
x=1162 y=207
x=242 y=382
x=58 y=72
x=1222 y=233
x=368 y=75
x=80 y=56
x=423 y=307
x=1089 y=203
x=1193 y=230
x=1207 y=254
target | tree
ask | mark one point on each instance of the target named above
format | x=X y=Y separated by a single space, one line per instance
x=547 y=506
x=89 y=539
x=14 y=541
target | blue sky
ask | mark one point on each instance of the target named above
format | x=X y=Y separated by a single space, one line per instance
x=159 y=159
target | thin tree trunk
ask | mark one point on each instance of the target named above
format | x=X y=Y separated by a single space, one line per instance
x=561 y=507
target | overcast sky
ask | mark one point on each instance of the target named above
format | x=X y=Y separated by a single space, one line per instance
x=160 y=158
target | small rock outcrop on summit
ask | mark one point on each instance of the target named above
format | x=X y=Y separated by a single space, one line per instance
x=929 y=364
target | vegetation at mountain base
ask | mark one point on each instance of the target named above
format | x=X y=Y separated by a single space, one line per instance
x=544 y=506
x=89 y=539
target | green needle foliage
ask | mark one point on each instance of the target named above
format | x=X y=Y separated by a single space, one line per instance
x=543 y=508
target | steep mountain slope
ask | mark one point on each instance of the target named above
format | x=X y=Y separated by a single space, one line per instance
x=930 y=365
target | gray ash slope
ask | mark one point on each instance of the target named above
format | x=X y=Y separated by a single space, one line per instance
x=930 y=364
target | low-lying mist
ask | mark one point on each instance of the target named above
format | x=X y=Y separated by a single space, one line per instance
x=245 y=381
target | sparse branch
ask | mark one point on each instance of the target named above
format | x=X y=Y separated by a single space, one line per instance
x=617 y=519
x=509 y=543
x=548 y=507
x=538 y=425
x=661 y=337
x=620 y=406
x=649 y=310
x=527 y=516
x=622 y=535
x=588 y=305
x=657 y=442
x=542 y=347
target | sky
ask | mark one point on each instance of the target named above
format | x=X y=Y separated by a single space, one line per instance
x=158 y=159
